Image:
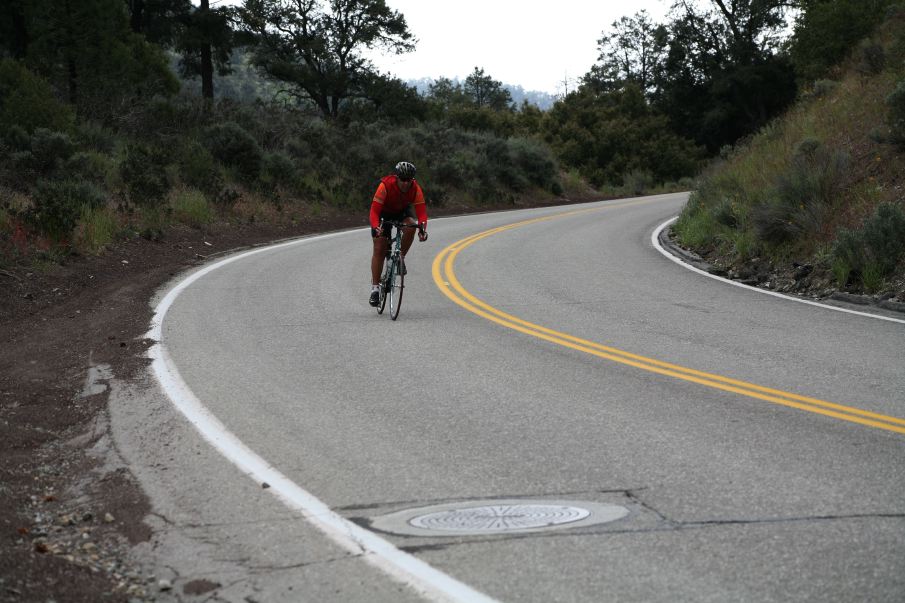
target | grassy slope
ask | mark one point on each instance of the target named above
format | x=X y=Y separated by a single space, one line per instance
x=720 y=221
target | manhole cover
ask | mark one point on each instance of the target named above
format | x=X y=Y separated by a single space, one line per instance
x=497 y=517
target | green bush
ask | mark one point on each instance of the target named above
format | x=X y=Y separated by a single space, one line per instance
x=804 y=194
x=50 y=149
x=697 y=227
x=638 y=181
x=27 y=101
x=774 y=223
x=191 y=207
x=58 y=205
x=873 y=58
x=88 y=165
x=884 y=236
x=896 y=103
x=535 y=159
x=42 y=153
x=277 y=168
x=235 y=148
x=872 y=276
x=872 y=252
x=173 y=117
x=95 y=136
x=500 y=171
x=15 y=138
x=825 y=32
x=823 y=88
x=143 y=171
x=847 y=255
x=198 y=168
x=96 y=229
x=724 y=213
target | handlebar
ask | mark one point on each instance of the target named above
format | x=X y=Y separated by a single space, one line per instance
x=398 y=224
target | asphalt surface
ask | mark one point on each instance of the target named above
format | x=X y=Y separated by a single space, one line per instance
x=730 y=497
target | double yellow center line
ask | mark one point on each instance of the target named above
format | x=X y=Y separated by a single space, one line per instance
x=445 y=278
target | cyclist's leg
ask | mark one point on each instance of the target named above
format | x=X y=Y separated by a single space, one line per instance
x=381 y=244
x=408 y=234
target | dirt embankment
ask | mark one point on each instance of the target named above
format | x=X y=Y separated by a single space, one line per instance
x=68 y=512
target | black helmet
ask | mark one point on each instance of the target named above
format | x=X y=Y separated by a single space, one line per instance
x=405 y=170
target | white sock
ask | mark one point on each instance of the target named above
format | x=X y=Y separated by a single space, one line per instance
x=375 y=287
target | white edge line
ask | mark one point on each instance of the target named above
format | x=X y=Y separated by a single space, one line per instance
x=403 y=567
x=654 y=239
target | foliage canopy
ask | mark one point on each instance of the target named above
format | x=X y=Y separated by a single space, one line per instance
x=318 y=51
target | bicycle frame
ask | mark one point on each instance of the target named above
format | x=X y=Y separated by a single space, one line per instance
x=389 y=289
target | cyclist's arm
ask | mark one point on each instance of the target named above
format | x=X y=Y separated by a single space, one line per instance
x=377 y=205
x=420 y=206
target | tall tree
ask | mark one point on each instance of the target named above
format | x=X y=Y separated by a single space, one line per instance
x=724 y=74
x=202 y=36
x=86 y=49
x=446 y=93
x=484 y=91
x=631 y=51
x=826 y=30
x=160 y=21
x=317 y=50
x=206 y=42
x=13 y=29
x=611 y=134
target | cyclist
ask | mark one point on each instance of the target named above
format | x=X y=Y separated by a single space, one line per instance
x=398 y=198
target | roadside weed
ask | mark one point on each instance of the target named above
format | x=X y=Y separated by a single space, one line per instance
x=96 y=229
x=191 y=207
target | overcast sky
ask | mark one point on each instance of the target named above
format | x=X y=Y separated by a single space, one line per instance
x=521 y=42
x=531 y=44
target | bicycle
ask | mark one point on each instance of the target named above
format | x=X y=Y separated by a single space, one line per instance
x=392 y=282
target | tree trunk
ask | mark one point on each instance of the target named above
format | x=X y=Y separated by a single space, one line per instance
x=72 y=77
x=72 y=74
x=137 y=9
x=207 y=65
x=19 y=43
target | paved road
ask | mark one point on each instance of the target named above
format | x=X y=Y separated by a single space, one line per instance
x=730 y=497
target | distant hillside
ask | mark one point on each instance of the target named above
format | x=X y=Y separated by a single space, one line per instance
x=245 y=84
x=815 y=202
x=541 y=100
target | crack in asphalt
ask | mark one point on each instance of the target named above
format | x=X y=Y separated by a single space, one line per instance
x=667 y=526
x=276 y=568
x=674 y=527
x=722 y=522
x=224 y=524
x=437 y=501
x=644 y=505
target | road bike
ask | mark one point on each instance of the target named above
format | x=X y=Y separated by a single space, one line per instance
x=392 y=282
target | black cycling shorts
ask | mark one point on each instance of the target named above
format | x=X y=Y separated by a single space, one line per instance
x=400 y=216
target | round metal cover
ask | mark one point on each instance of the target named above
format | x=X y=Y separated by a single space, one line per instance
x=497 y=517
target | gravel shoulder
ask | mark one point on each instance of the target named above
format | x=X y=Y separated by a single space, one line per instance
x=70 y=508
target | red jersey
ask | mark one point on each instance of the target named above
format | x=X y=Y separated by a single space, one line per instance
x=389 y=198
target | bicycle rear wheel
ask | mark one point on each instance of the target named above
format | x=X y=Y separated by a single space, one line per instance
x=397 y=284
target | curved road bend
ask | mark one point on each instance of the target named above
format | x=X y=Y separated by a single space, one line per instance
x=731 y=497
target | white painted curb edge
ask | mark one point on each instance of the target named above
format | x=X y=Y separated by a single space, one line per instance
x=654 y=239
x=403 y=567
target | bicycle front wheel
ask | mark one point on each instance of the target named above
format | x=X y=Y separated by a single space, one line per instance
x=384 y=289
x=396 y=286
